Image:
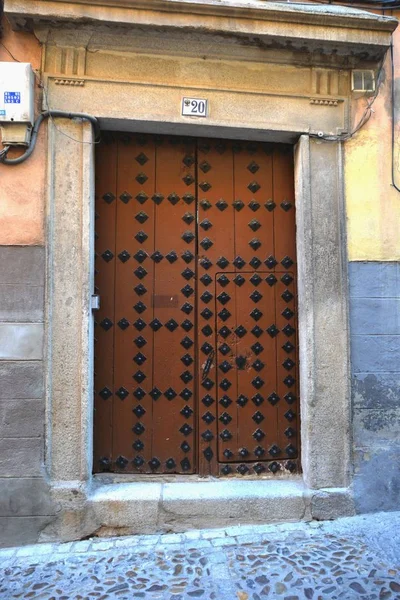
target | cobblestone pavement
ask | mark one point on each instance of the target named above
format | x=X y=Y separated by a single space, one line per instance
x=350 y=558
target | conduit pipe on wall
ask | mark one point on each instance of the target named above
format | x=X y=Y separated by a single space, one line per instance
x=35 y=131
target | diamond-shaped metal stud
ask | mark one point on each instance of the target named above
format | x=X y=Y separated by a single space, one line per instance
x=286 y=205
x=206 y=243
x=108 y=197
x=140 y=272
x=291 y=451
x=208 y=418
x=206 y=297
x=289 y=432
x=186 y=377
x=258 y=365
x=223 y=280
x=239 y=280
x=187 y=343
x=258 y=399
x=256 y=314
x=139 y=359
x=225 y=435
x=123 y=324
x=224 y=349
x=105 y=393
x=140 y=289
x=223 y=298
x=206 y=279
x=207 y=400
x=186 y=394
x=139 y=411
x=139 y=393
x=239 y=262
x=155 y=324
x=273 y=398
x=222 y=262
x=187 y=291
x=207 y=384
x=170 y=463
x=286 y=262
x=290 y=398
x=185 y=464
x=121 y=462
x=187 y=308
x=288 y=330
x=187 y=256
x=274 y=450
x=255 y=279
x=154 y=463
x=255 y=244
x=270 y=262
x=242 y=400
x=257 y=331
x=208 y=454
x=139 y=324
x=141 y=197
x=225 y=385
x=188 y=179
x=259 y=468
x=254 y=225
x=141 y=237
x=207 y=435
x=225 y=401
x=107 y=255
x=206 y=313
x=254 y=187
x=157 y=199
x=186 y=412
x=140 y=307
x=288 y=364
x=207 y=330
x=255 y=262
x=205 y=166
x=140 y=256
x=224 y=314
x=287 y=279
x=256 y=296
x=171 y=325
x=226 y=469
x=106 y=324
x=258 y=435
x=205 y=186
x=271 y=280
x=254 y=206
x=288 y=347
x=186 y=429
x=206 y=224
x=273 y=331
x=206 y=263
x=289 y=381
x=205 y=204
x=257 y=382
x=173 y=198
x=287 y=313
x=253 y=167
x=170 y=394
x=141 y=159
x=259 y=451
x=242 y=469
x=187 y=360
x=185 y=446
x=157 y=256
x=225 y=366
x=221 y=205
x=187 y=274
x=138 y=429
x=139 y=376
x=270 y=205
x=187 y=325
x=141 y=178
x=240 y=331
x=188 y=237
x=188 y=160
x=188 y=218
x=138 y=461
x=224 y=331
x=238 y=205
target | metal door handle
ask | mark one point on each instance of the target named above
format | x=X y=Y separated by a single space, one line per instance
x=208 y=365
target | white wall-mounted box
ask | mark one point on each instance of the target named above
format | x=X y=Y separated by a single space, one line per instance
x=16 y=93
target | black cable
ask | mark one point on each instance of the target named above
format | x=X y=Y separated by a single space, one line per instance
x=49 y=113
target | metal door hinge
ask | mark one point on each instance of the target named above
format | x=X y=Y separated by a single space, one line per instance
x=95 y=303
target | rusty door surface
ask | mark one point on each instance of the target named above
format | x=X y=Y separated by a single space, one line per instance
x=196 y=340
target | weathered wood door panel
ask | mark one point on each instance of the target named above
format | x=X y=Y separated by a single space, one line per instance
x=195 y=357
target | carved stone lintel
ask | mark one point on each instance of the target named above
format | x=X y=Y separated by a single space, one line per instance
x=326 y=101
x=74 y=82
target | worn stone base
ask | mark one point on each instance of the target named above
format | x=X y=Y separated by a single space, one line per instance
x=151 y=507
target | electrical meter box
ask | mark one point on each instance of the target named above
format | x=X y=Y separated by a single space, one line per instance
x=16 y=93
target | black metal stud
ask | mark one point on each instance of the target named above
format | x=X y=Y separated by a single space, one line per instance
x=206 y=297
x=206 y=243
x=291 y=451
x=140 y=307
x=223 y=298
x=188 y=179
x=243 y=452
x=188 y=218
x=155 y=324
x=274 y=467
x=222 y=262
x=207 y=435
x=141 y=237
x=154 y=463
x=141 y=197
x=256 y=296
x=255 y=279
x=141 y=217
x=206 y=348
x=239 y=262
x=258 y=365
x=205 y=186
x=106 y=324
x=288 y=347
x=254 y=187
x=270 y=262
x=225 y=435
x=186 y=394
x=171 y=325
x=123 y=324
x=239 y=280
x=121 y=462
x=157 y=199
x=258 y=399
x=188 y=160
x=273 y=398
x=139 y=359
x=257 y=348
x=186 y=412
x=272 y=331
x=257 y=382
x=186 y=377
x=254 y=206
x=170 y=394
x=141 y=159
x=138 y=429
x=157 y=256
x=139 y=393
x=105 y=393
x=140 y=289
x=225 y=366
x=255 y=262
x=207 y=400
x=253 y=167
x=206 y=313
x=290 y=466
x=188 y=237
x=240 y=331
x=108 y=197
x=258 y=417
x=286 y=279
x=270 y=205
x=107 y=255
x=208 y=418
x=259 y=451
x=187 y=256
x=287 y=313
x=187 y=291
x=238 y=205
x=186 y=429
x=224 y=331
x=259 y=468
x=242 y=469
x=290 y=398
x=227 y=453
x=208 y=454
x=242 y=400
x=187 y=343
x=173 y=198
x=289 y=432
x=170 y=463
x=241 y=362
x=138 y=445
x=140 y=272
x=185 y=446
x=204 y=166
x=206 y=279
x=225 y=385
x=289 y=381
x=254 y=225
x=207 y=384
x=225 y=401
x=155 y=393
x=288 y=364
x=187 y=274
x=140 y=256
x=286 y=262
x=226 y=469
x=288 y=330
x=257 y=331
x=207 y=330
x=139 y=411
x=221 y=204
x=224 y=349
x=205 y=204
x=286 y=205
x=256 y=314
x=258 y=435
x=206 y=263
x=255 y=244
x=224 y=314
x=206 y=224
x=290 y=415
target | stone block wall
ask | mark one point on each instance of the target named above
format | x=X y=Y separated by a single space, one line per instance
x=24 y=500
x=375 y=351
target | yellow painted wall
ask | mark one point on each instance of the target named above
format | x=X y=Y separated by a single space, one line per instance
x=22 y=187
x=373 y=205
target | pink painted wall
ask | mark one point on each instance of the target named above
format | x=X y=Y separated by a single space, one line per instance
x=22 y=188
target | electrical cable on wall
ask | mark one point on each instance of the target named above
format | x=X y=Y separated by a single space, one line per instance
x=393 y=126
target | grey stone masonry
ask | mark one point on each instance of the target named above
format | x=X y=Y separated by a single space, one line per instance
x=24 y=500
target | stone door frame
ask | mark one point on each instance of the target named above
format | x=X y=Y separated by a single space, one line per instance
x=322 y=301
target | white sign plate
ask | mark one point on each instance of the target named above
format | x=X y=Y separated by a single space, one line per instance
x=194 y=107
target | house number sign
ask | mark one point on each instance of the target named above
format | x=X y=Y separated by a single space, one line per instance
x=194 y=107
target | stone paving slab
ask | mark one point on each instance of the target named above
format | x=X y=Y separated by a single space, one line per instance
x=354 y=558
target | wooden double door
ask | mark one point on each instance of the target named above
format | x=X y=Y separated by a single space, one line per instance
x=195 y=339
